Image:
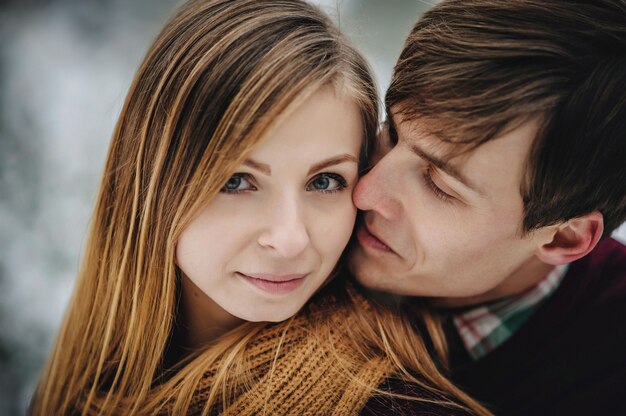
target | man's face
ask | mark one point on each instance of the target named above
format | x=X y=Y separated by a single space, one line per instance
x=445 y=229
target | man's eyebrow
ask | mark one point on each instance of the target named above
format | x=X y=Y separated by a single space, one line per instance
x=261 y=167
x=439 y=163
x=446 y=167
x=332 y=161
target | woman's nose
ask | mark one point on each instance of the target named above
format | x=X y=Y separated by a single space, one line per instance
x=285 y=232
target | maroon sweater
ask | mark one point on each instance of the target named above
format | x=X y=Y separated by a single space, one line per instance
x=568 y=359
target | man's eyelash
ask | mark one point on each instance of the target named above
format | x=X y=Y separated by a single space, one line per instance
x=433 y=186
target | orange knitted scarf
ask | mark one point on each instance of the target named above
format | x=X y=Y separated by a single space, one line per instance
x=311 y=374
x=304 y=366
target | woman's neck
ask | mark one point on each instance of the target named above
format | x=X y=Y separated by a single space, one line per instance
x=201 y=320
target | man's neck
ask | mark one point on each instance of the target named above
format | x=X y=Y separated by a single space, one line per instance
x=528 y=275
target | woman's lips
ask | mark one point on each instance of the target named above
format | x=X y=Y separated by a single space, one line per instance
x=274 y=284
x=367 y=239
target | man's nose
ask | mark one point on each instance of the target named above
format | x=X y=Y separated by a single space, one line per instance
x=285 y=232
x=378 y=190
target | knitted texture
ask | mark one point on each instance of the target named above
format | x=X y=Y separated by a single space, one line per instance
x=310 y=374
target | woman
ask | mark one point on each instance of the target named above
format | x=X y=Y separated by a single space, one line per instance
x=225 y=205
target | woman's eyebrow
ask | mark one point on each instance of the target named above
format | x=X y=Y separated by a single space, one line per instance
x=335 y=160
x=261 y=167
x=331 y=161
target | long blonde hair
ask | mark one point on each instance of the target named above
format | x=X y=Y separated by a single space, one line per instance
x=219 y=74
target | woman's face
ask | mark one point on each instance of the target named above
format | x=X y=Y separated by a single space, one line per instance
x=274 y=233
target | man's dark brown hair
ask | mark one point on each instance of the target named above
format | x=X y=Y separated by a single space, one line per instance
x=471 y=69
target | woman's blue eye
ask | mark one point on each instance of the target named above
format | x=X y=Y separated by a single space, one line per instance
x=327 y=182
x=239 y=182
x=322 y=182
x=233 y=183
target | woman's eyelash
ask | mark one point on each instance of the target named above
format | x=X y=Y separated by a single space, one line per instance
x=433 y=186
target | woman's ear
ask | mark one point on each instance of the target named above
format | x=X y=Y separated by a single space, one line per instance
x=573 y=239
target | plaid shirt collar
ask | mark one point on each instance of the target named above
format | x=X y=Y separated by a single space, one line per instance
x=486 y=327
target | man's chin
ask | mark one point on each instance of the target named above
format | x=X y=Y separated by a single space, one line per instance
x=367 y=281
x=357 y=264
x=370 y=273
x=368 y=277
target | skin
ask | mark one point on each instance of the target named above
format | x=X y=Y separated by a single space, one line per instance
x=424 y=232
x=287 y=212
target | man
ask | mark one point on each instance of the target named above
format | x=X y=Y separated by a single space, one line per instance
x=503 y=178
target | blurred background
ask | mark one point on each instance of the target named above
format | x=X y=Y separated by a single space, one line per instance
x=65 y=67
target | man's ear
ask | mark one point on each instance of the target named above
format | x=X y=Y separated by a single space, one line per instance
x=573 y=239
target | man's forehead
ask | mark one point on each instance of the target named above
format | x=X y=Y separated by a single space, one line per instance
x=478 y=167
x=421 y=131
x=463 y=139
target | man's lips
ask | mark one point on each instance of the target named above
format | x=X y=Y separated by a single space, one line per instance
x=369 y=239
